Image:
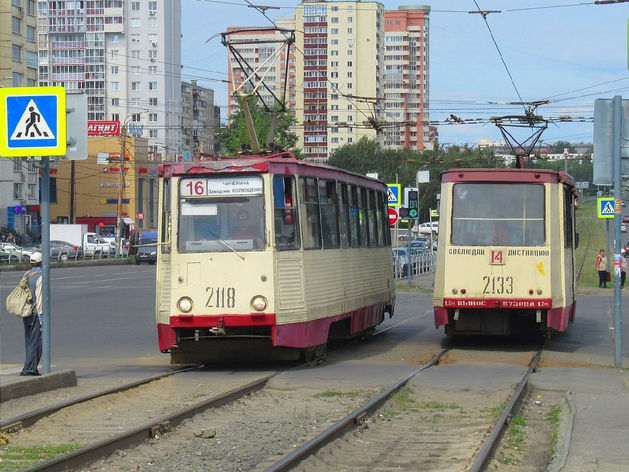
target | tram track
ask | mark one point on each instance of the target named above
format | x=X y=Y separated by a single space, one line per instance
x=72 y=418
x=378 y=443
x=402 y=432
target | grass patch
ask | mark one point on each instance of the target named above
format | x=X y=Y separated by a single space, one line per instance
x=554 y=418
x=14 y=458
x=588 y=221
x=440 y=406
x=333 y=393
x=494 y=411
x=515 y=433
x=403 y=398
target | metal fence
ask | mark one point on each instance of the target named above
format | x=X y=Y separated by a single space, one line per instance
x=419 y=263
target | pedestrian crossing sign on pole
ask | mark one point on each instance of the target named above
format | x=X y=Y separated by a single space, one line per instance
x=393 y=195
x=32 y=121
x=605 y=207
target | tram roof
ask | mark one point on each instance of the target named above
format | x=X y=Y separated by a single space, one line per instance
x=284 y=163
x=507 y=175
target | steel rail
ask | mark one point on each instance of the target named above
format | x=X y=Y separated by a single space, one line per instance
x=514 y=404
x=99 y=450
x=351 y=421
x=28 y=419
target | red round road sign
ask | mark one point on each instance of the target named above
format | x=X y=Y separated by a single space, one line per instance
x=393 y=216
x=140 y=216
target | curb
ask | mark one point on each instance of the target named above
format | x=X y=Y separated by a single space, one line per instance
x=26 y=386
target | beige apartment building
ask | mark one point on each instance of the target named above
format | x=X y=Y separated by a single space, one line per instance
x=341 y=74
x=359 y=71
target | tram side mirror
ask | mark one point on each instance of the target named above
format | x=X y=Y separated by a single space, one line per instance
x=576 y=240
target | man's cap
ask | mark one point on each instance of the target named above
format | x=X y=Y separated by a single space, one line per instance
x=36 y=258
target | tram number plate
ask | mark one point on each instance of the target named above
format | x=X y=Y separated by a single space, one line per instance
x=194 y=188
x=498 y=284
x=221 y=297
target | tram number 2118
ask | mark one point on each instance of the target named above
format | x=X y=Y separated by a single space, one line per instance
x=498 y=284
x=221 y=297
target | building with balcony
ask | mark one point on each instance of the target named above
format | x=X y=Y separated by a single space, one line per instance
x=340 y=82
x=125 y=55
x=199 y=122
x=406 y=79
x=19 y=177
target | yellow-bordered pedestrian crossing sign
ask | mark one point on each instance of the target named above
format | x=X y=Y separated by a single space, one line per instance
x=605 y=207
x=393 y=195
x=33 y=121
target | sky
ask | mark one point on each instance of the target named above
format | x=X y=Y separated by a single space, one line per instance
x=567 y=52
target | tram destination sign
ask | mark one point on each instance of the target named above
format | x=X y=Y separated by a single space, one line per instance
x=218 y=187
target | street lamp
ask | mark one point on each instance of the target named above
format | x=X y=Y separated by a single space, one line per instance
x=121 y=184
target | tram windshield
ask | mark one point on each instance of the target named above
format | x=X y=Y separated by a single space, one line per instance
x=219 y=214
x=495 y=214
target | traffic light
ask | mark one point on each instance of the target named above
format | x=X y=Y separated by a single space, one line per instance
x=413 y=204
x=403 y=212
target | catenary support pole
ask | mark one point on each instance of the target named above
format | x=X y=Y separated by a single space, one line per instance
x=617 y=233
x=45 y=240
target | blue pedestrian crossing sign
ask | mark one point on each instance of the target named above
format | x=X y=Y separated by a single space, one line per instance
x=393 y=195
x=605 y=207
x=32 y=121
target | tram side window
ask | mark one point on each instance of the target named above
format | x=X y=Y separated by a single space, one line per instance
x=382 y=223
x=568 y=215
x=341 y=189
x=310 y=222
x=498 y=214
x=353 y=217
x=363 y=231
x=166 y=215
x=371 y=217
x=329 y=214
x=286 y=226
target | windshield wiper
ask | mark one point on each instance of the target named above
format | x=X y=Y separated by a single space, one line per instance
x=222 y=241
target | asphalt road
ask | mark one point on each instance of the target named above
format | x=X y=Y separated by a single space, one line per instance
x=103 y=322
x=100 y=317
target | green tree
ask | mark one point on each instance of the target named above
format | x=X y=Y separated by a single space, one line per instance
x=236 y=136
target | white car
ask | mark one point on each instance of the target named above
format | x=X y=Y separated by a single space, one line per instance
x=10 y=248
x=427 y=228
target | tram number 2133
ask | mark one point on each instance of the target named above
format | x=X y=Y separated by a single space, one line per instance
x=221 y=297
x=498 y=284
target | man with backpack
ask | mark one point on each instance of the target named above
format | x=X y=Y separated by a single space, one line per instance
x=32 y=324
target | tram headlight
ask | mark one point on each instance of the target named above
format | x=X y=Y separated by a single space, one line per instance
x=185 y=304
x=259 y=303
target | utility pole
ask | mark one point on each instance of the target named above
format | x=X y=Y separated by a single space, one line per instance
x=72 y=191
x=119 y=223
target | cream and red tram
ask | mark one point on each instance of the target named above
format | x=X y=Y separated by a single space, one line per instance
x=505 y=258
x=269 y=258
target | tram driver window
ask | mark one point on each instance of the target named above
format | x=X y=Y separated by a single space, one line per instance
x=233 y=220
x=498 y=214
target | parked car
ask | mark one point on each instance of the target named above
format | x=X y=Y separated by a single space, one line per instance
x=625 y=219
x=147 y=250
x=8 y=258
x=623 y=227
x=62 y=250
x=20 y=252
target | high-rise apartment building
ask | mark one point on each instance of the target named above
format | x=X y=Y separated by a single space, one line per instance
x=199 y=121
x=406 y=78
x=340 y=80
x=258 y=48
x=125 y=55
x=19 y=179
